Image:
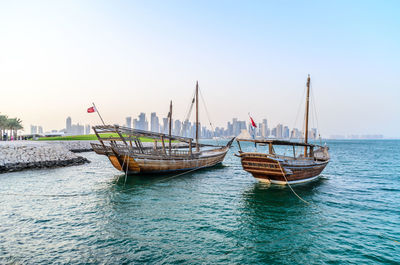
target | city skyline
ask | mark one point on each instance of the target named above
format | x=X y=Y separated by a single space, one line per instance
x=57 y=58
x=186 y=128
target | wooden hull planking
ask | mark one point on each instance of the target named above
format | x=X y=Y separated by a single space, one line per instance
x=151 y=165
x=261 y=166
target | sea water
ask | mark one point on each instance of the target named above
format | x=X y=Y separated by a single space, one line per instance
x=93 y=214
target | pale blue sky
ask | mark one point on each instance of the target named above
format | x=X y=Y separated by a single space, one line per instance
x=249 y=56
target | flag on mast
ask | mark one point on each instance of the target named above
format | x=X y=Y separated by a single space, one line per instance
x=91 y=110
x=252 y=122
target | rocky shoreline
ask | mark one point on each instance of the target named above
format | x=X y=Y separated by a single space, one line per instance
x=43 y=164
x=24 y=155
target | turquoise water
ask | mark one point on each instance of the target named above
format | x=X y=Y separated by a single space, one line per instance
x=221 y=215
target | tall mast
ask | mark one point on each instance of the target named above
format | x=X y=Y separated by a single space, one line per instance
x=197 y=116
x=170 y=126
x=307 y=107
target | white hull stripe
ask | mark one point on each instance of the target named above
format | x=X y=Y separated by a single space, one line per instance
x=294 y=181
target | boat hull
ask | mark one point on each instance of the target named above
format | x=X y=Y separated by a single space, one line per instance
x=150 y=166
x=280 y=171
x=142 y=165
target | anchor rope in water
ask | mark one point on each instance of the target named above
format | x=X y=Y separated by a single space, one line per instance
x=127 y=166
x=287 y=182
x=123 y=163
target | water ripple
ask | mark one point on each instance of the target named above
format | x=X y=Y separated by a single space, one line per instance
x=88 y=214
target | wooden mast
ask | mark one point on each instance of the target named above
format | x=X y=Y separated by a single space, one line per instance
x=307 y=107
x=197 y=116
x=170 y=126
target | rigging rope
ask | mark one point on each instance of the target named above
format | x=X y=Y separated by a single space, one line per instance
x=208 y=116
x=316 y=117
x=298 y=110
x=190 y=108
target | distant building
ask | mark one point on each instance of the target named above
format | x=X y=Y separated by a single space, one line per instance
x=165 y=125
x=87 y=129
x=273 y=132
x=286 y=132
x=142 y=123
x=34 y=129
x=68 y=125
x=177 y=127
x=186 y=128
x=40 y=130
x=313 y=134
x=154 y=123
x=229 y=129
x=279 y=131
x=77 y=129
x=264 y=129
x=295 y=134
x=128 y=122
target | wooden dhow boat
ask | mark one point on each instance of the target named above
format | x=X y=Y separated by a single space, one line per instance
x=167 y=153
x=283 y=169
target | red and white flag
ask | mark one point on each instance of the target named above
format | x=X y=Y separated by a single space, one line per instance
x=252 y=122
x=91 y=110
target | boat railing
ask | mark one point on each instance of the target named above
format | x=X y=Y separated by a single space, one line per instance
x=130 y=150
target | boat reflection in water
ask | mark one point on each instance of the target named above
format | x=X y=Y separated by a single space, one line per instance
x=277 y=224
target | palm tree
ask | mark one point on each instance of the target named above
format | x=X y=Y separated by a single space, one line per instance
x=14 y=125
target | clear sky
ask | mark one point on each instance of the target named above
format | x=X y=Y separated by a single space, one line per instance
x=56 y=57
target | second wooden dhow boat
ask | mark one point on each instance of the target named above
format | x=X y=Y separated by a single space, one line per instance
x=167 y=153
x=283 y=169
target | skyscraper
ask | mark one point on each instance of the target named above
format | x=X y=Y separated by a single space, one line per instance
x=264 y=128
x=142 y=122
x=285 y=132
x=229 y=129
x=154 y=123
x=279 y=131
x=68 y=125
x=165 y=125
x=235 y=127
x=177 y=127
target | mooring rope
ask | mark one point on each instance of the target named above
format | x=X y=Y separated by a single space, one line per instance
x=127 y=165
x=123 y=163
x=287 y=182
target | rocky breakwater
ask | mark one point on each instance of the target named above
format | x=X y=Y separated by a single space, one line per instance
x=74 y=146
x=16 y=156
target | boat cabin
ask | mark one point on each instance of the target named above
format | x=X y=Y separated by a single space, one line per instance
x=308 y=153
